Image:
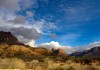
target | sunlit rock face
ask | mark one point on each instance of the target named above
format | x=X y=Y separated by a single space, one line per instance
x=8 y=38
x=10 y=47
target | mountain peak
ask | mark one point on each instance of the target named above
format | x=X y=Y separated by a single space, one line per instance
x=10 y=44
x=8 y=38
x=95 y=51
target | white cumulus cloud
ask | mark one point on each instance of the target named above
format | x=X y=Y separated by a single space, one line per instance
x=56 y=45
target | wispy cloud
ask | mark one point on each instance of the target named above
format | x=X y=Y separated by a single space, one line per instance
x=19 y=24
x=88 y=47
x=28 y=19
x=81 y=11
x=69 y=38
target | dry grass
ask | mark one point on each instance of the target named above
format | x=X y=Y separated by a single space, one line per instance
x=32 y=64
x=69 y=65
x=12 y=63
x=47 y=64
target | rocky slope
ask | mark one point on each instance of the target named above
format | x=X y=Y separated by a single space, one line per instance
x=8 y=38
x=92 y=52
x=10 y=47
x=59 y=52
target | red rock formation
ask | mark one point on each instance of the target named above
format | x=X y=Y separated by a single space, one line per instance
x=8 y=38
x=59 y=52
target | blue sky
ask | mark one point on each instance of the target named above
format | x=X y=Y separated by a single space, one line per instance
x=77 y=21
x=67 y=22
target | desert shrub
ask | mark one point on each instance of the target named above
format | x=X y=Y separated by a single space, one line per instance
x=91 y=68
x=1 y=51
x=40 y=58
x=12 y=63
x=98 y=63
x=32 y=64
x=70 y=68
x=69 y=62
x=46 y=59
x=58 y=58
x=59 y=68
x=19 y=52
x=40 y=50
x=42 y=67
x=4 y=46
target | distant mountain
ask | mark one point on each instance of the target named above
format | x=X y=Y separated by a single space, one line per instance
x=10 y=47
x=92 y=52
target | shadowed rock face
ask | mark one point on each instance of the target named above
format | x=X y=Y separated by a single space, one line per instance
x=8 y=38
x=96 y=49
x=60 y=52
x=92 y=52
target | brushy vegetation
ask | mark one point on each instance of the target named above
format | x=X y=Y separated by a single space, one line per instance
x=46 y=64
x=12 y=63
x=20 y=57
x=15 y=55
